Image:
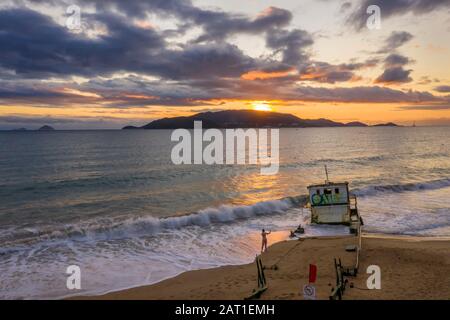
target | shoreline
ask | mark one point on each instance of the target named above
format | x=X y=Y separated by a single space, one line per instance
x=412 y=267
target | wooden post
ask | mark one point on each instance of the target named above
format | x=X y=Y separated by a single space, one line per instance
x=262 y=285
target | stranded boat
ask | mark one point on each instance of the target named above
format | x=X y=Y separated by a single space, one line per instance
x=332 y=203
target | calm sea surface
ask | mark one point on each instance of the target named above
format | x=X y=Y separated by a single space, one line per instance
x=113 y=203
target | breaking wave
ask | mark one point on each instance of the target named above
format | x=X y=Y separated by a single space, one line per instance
x=107 y=229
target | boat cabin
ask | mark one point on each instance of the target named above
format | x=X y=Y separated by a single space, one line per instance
x=330 y=203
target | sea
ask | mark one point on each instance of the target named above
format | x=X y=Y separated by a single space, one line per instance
x=112 y=202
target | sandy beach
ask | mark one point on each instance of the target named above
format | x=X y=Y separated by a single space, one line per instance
x=411 y=268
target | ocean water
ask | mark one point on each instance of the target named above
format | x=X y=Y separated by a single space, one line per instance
x=112 y=202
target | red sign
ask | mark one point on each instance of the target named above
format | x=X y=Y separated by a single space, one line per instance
x=312 y=273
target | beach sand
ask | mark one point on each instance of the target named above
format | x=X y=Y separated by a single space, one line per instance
x=411 y=268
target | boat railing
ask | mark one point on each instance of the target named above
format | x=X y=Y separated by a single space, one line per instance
x=353 y=202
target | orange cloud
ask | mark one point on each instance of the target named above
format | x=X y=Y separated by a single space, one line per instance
x=80 y=93
x=261 y=75
x=138 y=96
x=144 y=24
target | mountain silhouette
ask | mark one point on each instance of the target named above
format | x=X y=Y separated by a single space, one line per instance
x=243 y=119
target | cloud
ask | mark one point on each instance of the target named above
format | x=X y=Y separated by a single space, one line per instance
x=396 y=60
x=325 y=73
x=34 y=46
x=390 y=8
x=373 y=94
x=203 y=61
x=216 y=24
x=49 y=94
x=394 y=75
x=290 y=43
x=329 y=73
x=136 y=91
x=50 y=50
x=427 y=107
x=282 y=89
x=224 y=25
x=345 y=7
x=442 y=88
x=395 y=40
x=424 y=80
x=394 y=72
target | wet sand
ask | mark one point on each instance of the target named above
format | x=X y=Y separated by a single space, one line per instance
x=411 y=268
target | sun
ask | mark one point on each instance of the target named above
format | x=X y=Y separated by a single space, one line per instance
x=261 y=106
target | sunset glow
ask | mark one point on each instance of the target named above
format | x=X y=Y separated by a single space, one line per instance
x=261 y=106
x=157 y=61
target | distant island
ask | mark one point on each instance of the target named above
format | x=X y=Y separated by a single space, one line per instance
x=389 y=124
x=246 y=119
x=43 y=128
x=46 y=128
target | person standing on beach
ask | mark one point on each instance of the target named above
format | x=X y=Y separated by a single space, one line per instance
x=264 y=240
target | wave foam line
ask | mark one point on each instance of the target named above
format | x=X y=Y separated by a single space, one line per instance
x=147 y=226
x=398 y=188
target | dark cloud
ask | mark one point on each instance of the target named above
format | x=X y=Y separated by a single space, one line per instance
x=135 y=91
x=49 y=94
x=222 y=89
x=390 y=8
x=203 y=61
x=290 y=43
x=220 y=27
x=394 y=75
x=345 y=7
x=50 y=50
x=394 y=72
x=442 y=88
x=396 y=60
x=135 y=8
x=118 y=93
x=34 y=46
x=217 y=24
x=19 y=91
x=373 y=94
x=324 y=72
x=395 y=40
x=328 y=73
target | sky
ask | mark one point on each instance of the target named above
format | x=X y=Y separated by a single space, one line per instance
x=102 y=64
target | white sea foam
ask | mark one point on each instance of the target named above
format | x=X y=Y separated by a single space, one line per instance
x=108 y=229
x=426 y=185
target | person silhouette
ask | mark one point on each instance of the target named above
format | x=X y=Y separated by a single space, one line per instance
x=264 y=240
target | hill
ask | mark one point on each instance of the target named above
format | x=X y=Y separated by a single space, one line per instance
x=46 y=128
x=243 y=119
x=389 y=124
